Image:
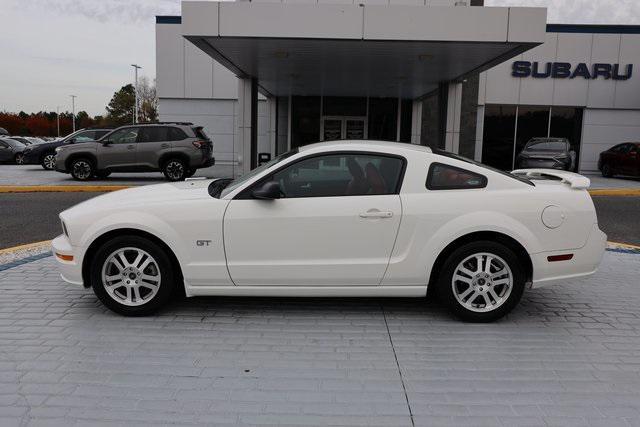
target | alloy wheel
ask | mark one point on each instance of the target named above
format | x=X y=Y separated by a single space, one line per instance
x=19 y=159
x=131 y=276
x=175 y=170
x=82 y=169
x=49 y=161
x=482 y=282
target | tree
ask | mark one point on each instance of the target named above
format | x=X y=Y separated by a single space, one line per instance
x=120 y=108
x=147 y=99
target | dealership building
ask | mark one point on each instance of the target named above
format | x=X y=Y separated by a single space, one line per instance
x=264 y=77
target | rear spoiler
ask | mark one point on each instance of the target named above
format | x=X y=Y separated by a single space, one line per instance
x=574 y=180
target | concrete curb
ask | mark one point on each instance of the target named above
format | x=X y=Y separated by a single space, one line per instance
x=25 y=247
x=60 y=188
x=616 y=192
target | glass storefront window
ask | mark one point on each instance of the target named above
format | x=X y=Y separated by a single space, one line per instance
x=344 y=106
x=498 y=135
x=566 y=122
x=533 y=122
x=383 y=118
x=305 y=120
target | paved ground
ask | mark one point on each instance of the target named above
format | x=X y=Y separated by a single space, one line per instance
x=35 y=175
x=568 y=355
x=32 y=217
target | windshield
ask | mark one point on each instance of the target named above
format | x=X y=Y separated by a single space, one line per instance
x=547 y=146
x=482 y=165
x=244 y=178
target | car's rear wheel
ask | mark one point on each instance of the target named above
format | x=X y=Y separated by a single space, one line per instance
x=82 y=169
x=607 y=172
x=48 y=161
x=175 y=170
x=19 y=159
x=481 y=281
x=132 y=276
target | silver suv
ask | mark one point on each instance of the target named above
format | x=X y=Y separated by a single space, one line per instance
x=176 y=149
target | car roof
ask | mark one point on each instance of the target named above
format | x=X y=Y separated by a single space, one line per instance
x=363 y=145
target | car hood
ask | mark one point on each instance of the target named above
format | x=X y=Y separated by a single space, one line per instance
x=143 y=197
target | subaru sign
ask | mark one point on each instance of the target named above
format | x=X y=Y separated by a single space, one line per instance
x=564 y=70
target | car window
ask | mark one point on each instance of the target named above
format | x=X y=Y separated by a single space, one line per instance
x=347 y=174
x=176 y=134
x=4 y=144
x=124 y=136
x=101 y=133
x=547 y=145
x=153 y=134
x=84 y=136
x=447 y=177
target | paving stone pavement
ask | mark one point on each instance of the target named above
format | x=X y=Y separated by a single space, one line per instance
x=568 y=355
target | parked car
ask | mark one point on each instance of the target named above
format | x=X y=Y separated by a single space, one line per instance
x=548 y=153
x=3 y=132
x=176 y=149
x=22 y=139
x=45 y=153
x=342 y=219
x=621 y=159
x=11 y=150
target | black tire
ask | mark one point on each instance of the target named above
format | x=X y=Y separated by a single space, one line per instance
x=503 y=306
x=82 y=169
x=102 y=174
x=606 y=171
x=175 y=170
x=161 y=262
x=191 y=172
x=48 y=161
x=19 y=159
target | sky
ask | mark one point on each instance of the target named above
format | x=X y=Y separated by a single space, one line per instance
x=50 y=49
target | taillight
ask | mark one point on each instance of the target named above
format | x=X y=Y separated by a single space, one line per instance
x=199 y=144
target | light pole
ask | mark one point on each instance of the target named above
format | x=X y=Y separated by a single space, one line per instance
x=135 y=114
x=73 y=111
x=58 y=119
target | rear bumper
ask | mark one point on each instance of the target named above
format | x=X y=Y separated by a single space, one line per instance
x=585 y=261
x=70 y=271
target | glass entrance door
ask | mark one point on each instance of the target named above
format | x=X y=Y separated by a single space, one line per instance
x=334 y=128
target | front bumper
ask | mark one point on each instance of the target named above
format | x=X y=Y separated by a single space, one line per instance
x=527 y=163
x=70 y=271
x=585 y=261
x=31 y=158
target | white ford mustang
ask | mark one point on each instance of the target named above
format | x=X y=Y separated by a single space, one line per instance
x=338 y=219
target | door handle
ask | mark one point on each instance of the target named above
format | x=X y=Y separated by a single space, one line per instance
x=375 y=213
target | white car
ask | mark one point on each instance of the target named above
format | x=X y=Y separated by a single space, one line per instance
x=343 y=219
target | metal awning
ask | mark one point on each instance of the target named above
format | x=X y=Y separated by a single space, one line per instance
x=355 y=50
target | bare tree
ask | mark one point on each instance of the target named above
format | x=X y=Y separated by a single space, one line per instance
x=148 y=100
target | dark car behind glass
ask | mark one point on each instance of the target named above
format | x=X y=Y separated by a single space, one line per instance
x=45 y=153
x=621 y=159
x=547 y=153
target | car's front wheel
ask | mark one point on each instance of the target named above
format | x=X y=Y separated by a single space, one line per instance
x=607 y=172
x=132 y=276
x=19 y=159
x=48 y=161
x=82 y=169
x=175 y=170
x=481 y=281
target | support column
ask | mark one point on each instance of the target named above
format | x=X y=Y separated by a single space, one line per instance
x=246 y=136
x=454 y=107
x=416 y=122
x=272 y=130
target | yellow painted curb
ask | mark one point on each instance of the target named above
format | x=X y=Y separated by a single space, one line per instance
x=60 y=188
x=616 y=192
x=623 y=245
x=24 y=247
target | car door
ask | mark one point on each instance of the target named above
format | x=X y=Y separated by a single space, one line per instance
x=6 y=154
x=153 y=141
x=629 y=160
x=335 y=224
x=118 y=150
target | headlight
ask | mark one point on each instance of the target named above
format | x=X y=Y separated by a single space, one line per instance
x=58 y=149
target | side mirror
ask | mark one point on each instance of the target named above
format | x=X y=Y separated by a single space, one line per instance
x=270 y=190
